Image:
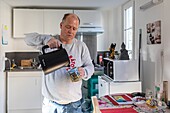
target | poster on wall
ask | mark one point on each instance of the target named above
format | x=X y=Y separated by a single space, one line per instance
x=154 y=32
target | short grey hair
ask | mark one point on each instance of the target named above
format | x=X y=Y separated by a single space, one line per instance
x=67 y=14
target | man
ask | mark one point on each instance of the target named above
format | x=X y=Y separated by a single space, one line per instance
x=61 y=95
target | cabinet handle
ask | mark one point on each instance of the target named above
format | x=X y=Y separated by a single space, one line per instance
x=101 y=85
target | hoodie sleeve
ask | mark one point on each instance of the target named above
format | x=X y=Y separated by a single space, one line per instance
x=87 y=63
x=36 y=40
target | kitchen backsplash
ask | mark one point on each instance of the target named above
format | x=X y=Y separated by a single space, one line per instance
x=18 y=56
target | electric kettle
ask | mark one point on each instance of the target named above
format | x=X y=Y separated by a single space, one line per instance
x=54 y=60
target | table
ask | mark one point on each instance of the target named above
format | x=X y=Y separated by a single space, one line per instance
x=119 y=103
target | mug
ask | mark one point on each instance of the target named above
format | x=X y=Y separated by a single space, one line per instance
x=74 y=74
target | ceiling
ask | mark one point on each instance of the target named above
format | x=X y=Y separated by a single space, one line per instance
x=66 y=3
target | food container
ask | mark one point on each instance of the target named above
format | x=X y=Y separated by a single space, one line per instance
x=26 y=63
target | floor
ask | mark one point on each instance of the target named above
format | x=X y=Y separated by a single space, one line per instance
x=168 y=110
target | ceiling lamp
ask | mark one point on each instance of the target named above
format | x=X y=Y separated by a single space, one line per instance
x=150 y=4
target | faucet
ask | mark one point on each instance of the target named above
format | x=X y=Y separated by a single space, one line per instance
x=9 y=61
x=34 y=63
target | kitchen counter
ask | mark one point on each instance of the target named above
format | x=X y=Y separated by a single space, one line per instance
x=21 y=70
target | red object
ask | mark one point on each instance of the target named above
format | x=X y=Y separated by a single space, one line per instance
x=100 y=58
x=119 y=110
x=126 y=97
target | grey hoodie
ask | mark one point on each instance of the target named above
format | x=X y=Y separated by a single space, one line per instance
x=57 y=86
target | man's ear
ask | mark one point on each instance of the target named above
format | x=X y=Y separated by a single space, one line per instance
x=61 y=25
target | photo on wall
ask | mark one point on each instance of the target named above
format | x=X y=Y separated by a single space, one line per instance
x=154 y=32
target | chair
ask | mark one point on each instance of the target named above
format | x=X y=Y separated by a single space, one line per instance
x=95 y=105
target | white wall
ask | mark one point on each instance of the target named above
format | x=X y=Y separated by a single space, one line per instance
x=102 y=43
x=1 y=73
x=5 y=19
x=152 y=65
x=115 y=28
x=112 y=19
x=166 y=32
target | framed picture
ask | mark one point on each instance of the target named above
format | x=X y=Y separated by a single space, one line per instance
x=154 y=32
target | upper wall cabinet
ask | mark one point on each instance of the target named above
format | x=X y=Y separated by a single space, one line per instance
x=52 y=19
x=47 y=21
x=26 y=21
x=92 y=17
x=37 y=20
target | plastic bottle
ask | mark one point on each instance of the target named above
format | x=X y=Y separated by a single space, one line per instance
x=100 y=59
x=13 y=65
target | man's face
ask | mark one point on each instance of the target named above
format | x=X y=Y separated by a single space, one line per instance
x=69 y=28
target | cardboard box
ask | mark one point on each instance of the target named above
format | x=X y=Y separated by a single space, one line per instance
x=26 y=63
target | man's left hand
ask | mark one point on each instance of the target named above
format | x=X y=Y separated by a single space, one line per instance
x=81 y=72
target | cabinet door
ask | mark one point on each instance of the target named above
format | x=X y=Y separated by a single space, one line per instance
x=92 y=17
x=27 y=21
x=52 y=19
x=103 y=86
x=24 y=90
x=25 y=111
x=125 y=87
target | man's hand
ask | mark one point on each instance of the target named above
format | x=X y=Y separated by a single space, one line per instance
x=53 y=43
x=81 y=72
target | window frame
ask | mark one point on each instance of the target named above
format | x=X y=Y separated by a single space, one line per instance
x=125 y=6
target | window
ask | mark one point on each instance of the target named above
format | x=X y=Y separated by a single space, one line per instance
x=128 y=11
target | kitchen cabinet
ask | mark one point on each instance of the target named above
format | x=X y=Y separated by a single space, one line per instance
x=52 y=19
x=47 y=21
x=27 y=21
x=43 y=21
x=24 y=92
x=89 y=17
x=108 y=86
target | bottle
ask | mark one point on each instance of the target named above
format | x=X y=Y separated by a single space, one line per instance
x=148 y=94
x=100 y=59
x=13 y=65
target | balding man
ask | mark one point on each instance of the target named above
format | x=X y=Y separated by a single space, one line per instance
x=61 y=94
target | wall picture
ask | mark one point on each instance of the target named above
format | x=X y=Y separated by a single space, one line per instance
x=154 y=32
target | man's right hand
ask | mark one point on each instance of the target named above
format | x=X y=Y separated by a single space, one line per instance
x=53 y=43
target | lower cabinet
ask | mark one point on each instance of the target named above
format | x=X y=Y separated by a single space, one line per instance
x=25 y=111
x=107 y=86
x=24 y=92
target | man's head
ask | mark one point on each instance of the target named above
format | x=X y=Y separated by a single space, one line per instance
x=69 y=27
x=67 y=14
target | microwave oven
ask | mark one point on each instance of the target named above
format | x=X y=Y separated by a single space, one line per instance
x=121 y=70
